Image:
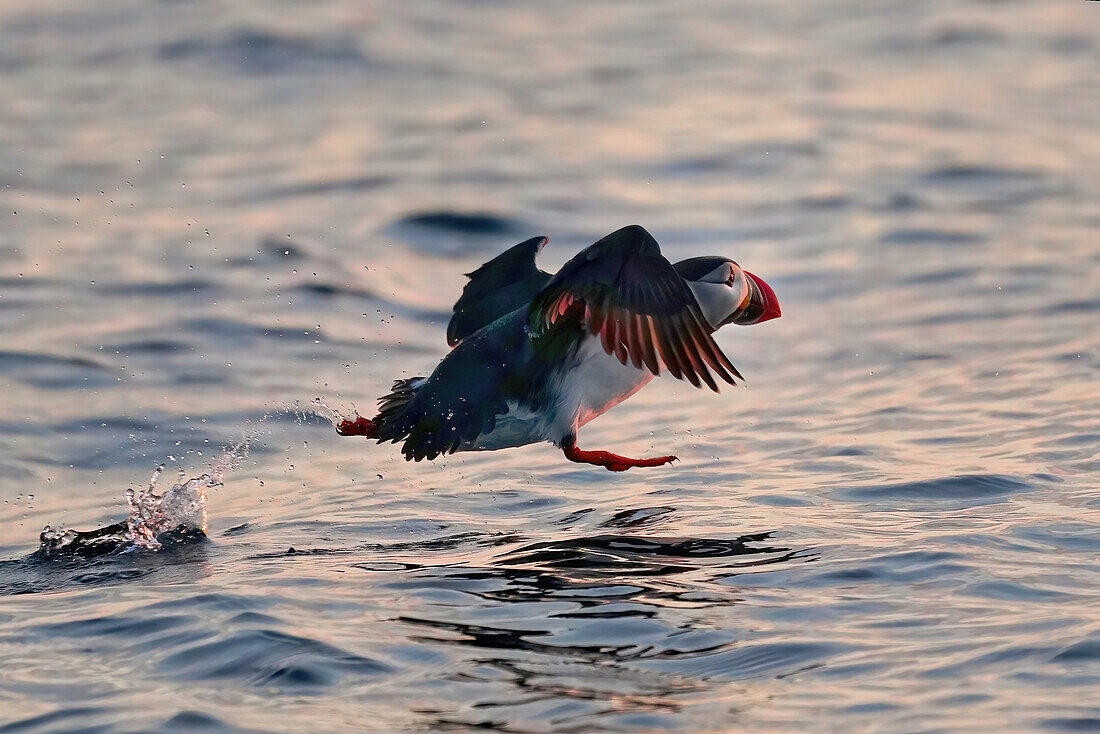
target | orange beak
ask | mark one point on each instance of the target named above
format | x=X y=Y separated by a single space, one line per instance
x=763 y=303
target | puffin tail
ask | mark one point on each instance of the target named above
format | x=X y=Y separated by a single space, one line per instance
x=393 y=420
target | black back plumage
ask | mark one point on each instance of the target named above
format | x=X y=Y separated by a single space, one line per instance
x=466 y=393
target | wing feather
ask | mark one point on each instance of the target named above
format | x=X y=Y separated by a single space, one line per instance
x=663 y=350
x=691 y=351
x=645 y=346
x=623 y=291
x=507 y=282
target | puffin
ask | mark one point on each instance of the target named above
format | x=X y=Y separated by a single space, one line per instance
x=536 y=356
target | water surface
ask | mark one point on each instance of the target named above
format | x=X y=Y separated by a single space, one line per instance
x=213 y=212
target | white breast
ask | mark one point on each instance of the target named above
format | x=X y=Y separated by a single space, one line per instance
x=600 y=383
x=594 y=384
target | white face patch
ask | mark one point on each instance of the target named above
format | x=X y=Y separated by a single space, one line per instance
x=719 y=300
x=715 y=299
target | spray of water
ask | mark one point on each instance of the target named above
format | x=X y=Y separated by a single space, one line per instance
x=318 y=408
x=180 y=510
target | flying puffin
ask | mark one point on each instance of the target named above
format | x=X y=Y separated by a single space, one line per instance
x=538 y=356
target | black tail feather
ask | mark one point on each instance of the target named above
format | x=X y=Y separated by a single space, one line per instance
x=393 y=419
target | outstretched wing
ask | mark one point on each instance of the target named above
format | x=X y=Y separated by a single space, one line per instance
x=507 y=282
x=623 y=290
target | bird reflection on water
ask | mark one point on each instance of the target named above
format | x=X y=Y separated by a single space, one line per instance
x=587 y=606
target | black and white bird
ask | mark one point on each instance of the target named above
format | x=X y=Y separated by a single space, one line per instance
x=538 y=356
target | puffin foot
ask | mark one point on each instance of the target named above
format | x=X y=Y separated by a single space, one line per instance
x=359 y=427
x=610 y=461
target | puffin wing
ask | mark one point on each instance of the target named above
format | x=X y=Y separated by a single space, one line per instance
x=507 y=282
x=623 y=290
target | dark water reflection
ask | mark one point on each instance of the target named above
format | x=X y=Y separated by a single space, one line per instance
x=567 y=632
x=213 y=215
x=100 y=560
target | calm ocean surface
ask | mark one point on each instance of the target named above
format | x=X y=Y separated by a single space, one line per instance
x=213 y=212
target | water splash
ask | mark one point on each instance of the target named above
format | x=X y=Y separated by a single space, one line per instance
x=318 y=408
x=179 y=511
x=181 y=508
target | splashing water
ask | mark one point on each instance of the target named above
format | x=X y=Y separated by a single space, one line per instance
x=320 y=409
x=181 y=510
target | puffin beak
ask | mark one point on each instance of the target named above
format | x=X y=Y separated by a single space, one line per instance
x=763 y=303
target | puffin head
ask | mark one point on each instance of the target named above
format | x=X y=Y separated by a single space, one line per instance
x=726 y=293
